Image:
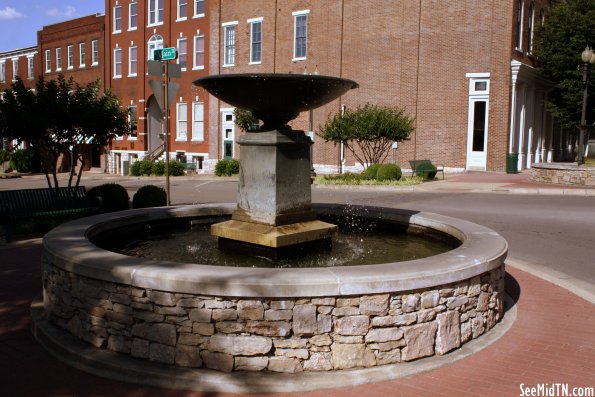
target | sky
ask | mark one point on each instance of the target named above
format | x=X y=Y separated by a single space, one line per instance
x=21 y=19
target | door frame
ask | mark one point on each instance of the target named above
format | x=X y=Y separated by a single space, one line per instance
x=479 y=91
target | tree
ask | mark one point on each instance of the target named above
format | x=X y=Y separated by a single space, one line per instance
x=58 y=118
x=569 y=28
x=245 y=120
x=369 y=131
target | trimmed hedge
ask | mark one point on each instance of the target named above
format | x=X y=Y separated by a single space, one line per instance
x=114 y=197
x=148 y=168
x=149 y=196
x=227 y=167
x=388 y=172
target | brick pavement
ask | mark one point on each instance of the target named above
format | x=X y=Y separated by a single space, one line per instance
x=552 y=341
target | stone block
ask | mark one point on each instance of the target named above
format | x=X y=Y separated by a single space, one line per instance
x=120 y=318
x=284 y=364
x=203 y=329
x=456 y=301
x=346 y=356
x=410 y=303
x=253 y=364
x=120 y=298
x=162 y=298
x=424 y=316
x=217 y=304
x=139 y=348
x=324 y=301
x=347 y=339
x=325 y=309
x=420 y=340
x=230 y=327
x=188 y=356
x=430 y=299
x=304 y=320
x=282 y=305
x=483 y=301
x=119 y=343
x=200 y=315
x=162 y=353
x=321 y=340
x=474 y=286
x=291 y=343
x=388 y=357
x=218 y=361
x=191 y=303
x=374 y=305
x=240 y=345
x=319 y=361
x=342 y=302
x=477 y=326
x=224 y=314
x=250 y=310
x=303 y=354
x=120 y=308
x=449 y=333
x=384 y=335
x=162 y=333
x=390 y=321
x=190 y=339
x=466 y=332
x=268 y=328
x=386 y=346
x=346 y=311
x=325 y=323
x=170 y=310
x=278 y=315
x=352 y=325
x=148 y=317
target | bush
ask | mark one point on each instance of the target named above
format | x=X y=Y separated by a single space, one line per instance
x=232 y=167
x=426 y=171
x=176 y=168
x=146 y=167
x=387 y=172
x=149 y=196
x=221 y=167
x=22 y=160
x=370 y=172
x=158 y=168
x=113 y=197
x=135 y=168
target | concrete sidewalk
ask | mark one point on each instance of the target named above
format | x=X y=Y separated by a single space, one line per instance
x=551 y=342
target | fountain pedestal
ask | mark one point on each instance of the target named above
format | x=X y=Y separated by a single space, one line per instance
x=274 y=199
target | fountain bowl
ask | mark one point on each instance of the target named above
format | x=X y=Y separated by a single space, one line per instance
x=275 y=98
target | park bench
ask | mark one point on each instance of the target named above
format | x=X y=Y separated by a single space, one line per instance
x=425 y=169
x=17 y=205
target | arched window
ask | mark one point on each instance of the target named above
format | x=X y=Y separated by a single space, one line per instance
x=531 y=26
x=155 y=43
x=519 y=26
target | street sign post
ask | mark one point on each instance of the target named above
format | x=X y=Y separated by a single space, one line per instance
x=165 y=54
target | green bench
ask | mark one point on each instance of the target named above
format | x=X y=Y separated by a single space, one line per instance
x=425 y=169
x=16 y=205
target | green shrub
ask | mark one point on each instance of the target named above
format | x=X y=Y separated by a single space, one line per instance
x=158 y=168
x=370 y=172
x=113 y=197
x=22 y=160
x=135 y=168
x=146 y=167
x=149 y=196
x=176 y=168
x=221 y=167
x=232 y=167
x=426 y=171
x=388 y=172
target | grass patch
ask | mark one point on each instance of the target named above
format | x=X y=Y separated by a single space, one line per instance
x=357 y=179
x=4 y=175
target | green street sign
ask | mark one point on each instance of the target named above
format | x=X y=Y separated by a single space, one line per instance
x=165 y=54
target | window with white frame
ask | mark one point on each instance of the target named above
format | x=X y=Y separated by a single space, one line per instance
x=229 y=42
x=300 y=34
x=531 y=27
x=81 y=55
x=183 y=52
x=117 y=28
x=255 y=40
x=3 y=71
x=94 y=52
x=15 y=68
x=132 y=61
x=117 y=62
x=155 y=43
x=30 y=68
x=132 y=16
x=182 y=121
x=519 y=25
x=58 y=59
x=182 y=10
x=48 y=61
x=155 y=10
x=132 y=122
x=199 y=8
x=198 y=121
x=70 y=52
x=199 y=52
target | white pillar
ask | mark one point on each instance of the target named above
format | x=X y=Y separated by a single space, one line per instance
x=515 y=66
x=521 y=128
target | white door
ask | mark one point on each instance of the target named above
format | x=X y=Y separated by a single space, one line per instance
x=227 y=134
x=477 y=125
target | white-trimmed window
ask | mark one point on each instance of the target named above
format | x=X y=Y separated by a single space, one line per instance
x=15 y=68
x=117 y=21
x=58 y=59
x=132 y=122
x=183 y=52
x=199 y=52
x=255 y=40
x=94 y=52
x=117 y=63
x=182 y=121
x=531 y=27
x=30 y=67
x=155 y=43
x=132 y=61
x=198 y=121
x=155 y=10
x=519 y=25
x=300 y=34
x=182 y=10
x=132 y=16
x=2 y=70
x=70 y=52
x=229 y=43
x=199 y=8
x=48 y=61
x=81 y=55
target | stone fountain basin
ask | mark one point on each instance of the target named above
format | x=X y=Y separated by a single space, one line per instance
x=272 y=320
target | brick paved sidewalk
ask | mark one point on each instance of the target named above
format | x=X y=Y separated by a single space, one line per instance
x=552 y=341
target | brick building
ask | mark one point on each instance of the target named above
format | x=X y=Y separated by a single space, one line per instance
x=23 y=63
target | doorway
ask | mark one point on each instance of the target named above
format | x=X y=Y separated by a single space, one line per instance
x=477 y=127
x=227 y=133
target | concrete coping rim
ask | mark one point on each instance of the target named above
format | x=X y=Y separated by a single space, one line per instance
x=563 y=166
x=68 y=247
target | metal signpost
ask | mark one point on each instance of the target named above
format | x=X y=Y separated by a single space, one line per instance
x=164 y=92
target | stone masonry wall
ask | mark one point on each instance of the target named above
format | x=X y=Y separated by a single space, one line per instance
x=565 y=176
x=279 y=335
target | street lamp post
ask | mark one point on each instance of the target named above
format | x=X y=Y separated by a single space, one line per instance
x=588 y=58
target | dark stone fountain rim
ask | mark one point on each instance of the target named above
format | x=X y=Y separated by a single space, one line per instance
x=69 y=247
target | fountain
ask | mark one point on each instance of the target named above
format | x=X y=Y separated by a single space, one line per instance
x=177 y=324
